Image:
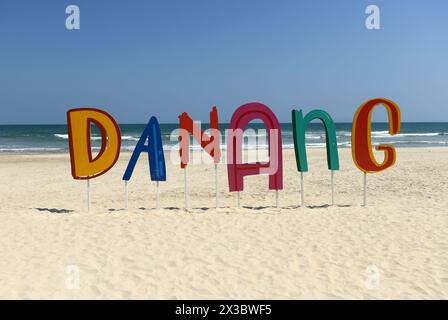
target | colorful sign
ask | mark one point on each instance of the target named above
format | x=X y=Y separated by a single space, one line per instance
x=236 y=169
x=211 y=144
x=361 y=136
x=85 y=166
x=154 y=148
x=299 y=124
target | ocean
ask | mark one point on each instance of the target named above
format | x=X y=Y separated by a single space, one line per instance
x=54 y=138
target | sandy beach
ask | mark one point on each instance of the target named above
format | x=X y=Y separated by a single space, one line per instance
x=396 y=248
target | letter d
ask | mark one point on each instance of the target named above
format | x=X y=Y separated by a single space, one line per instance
x=79 y=122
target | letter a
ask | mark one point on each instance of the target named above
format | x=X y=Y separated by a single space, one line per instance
x=154 y=149
x=236 y=170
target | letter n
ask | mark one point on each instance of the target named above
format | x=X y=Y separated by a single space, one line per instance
x=299 y=124
x=211 y=144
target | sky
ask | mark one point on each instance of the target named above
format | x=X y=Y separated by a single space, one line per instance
x=136 y=58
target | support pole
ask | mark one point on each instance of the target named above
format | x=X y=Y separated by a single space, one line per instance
x=365 y=190
x=276 y=199
x=302 y=189
x=332 y=187
x=126 y=195
x=88 y=194
x=157 y=195
x=238 y=198
x=216 y=185
x=185 y=189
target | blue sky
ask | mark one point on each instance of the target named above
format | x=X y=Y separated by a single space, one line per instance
x=136 y=58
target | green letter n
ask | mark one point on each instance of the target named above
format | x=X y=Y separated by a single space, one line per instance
x=299 y=124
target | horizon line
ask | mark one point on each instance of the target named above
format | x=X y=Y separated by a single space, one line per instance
x=64 y=124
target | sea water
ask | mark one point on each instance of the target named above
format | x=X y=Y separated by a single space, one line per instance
x=54 y=138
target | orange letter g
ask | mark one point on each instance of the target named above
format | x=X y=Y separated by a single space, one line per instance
x=361 y=140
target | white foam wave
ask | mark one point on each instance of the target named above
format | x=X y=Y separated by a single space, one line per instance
x=129 y=138
x=385 y=134
x=33 y=149
x=125 y=138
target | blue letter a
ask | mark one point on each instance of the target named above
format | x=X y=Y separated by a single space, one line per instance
x=154 y=149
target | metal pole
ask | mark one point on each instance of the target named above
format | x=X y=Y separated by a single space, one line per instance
x=126 y=195
x=332 y=187
x=157 y=195
x=302 y=189
x=238 y=198
x=365 y=190
x=88 y=194
x=276 y=199
x=216 y=185
x=185 y=188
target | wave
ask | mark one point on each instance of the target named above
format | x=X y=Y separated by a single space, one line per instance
x=262 y=147
x=125 y=138
x=314 y=136
x=436 y=142
x=129 y=138
x=252 y=147
x=31 y=149
x=386 y=134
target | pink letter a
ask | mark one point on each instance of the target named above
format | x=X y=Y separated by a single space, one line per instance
x=236 y=170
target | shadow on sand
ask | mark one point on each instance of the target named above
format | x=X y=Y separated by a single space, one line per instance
x=54 y=210
x=323 y=206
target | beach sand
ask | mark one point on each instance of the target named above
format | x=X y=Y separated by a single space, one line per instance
x=396 y=248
